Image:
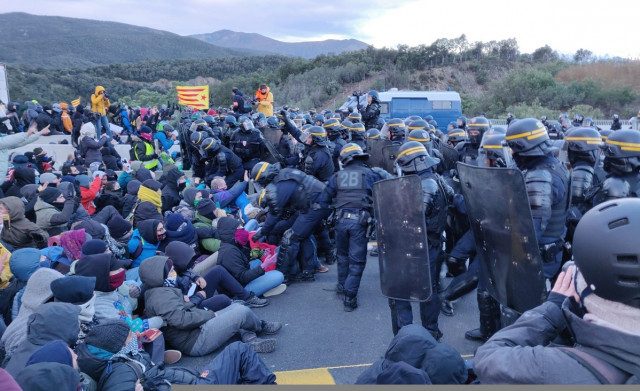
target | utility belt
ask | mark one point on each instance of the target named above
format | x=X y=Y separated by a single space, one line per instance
x=549 y=251
x=435 y=240
x=362 y=217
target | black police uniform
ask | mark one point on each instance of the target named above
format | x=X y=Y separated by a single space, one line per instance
x=248 y=145
x=223 y=163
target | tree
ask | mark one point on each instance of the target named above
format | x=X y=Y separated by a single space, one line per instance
x=583 y=56
x=544 y=54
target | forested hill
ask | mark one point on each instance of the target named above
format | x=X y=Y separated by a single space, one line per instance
x=57 y=42
x=257 y=42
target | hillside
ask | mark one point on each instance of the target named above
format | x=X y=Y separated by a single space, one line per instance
x=260 y=43
x=56 y=42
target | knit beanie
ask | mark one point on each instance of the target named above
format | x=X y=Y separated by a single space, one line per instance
x=118 y=227
x=54 y=351
x=73 y=289
x=49 y=195
x=94 y=246
x=110 y=335
x=133 y=186
x=206 y=207
x=152 y=184
x=173 y=221
x=48 y=177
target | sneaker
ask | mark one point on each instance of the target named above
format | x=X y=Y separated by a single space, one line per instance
x=270 y=328
x=256 y=302
x=306 y=276
x=275 y=291
x=322 y=269
x=260 y=345
x=172 y=356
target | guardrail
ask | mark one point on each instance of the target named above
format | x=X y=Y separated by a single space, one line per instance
x=599 y=122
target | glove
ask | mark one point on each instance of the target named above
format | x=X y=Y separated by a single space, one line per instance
x=99 y=173
x=155 y=322
x=269 y=261
x=154 y=156
x=134 y=291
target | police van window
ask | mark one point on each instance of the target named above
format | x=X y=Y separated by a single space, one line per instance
x=441 y=104
x=404 y=107
x=384 y=108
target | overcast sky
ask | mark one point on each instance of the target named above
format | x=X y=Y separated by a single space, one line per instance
x=604 y=27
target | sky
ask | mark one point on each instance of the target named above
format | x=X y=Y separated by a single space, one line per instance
x=604 y=27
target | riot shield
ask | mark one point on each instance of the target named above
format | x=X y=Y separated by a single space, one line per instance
x=271 y=138
x=389 y=155
x=449 y=156
x=500 y=217
x=374 y=149
x=403 y=251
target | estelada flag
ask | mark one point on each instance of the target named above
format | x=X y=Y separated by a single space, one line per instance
x=194 y=96
x=76 y=102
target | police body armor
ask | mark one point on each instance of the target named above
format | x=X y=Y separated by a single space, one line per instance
x=353 y=193
x=436 y=195
x=246 y=144
x=582 y=179
x=338 y=144
x=326 y=170
x=468 y=154
x=538 y=182
x=307 y=185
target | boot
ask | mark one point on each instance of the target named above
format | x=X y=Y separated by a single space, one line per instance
x=350 y=303
x=489 y=318
x=330 y=257
x=460 y=286
x=455 y=266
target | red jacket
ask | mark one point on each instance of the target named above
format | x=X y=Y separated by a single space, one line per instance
x=88 y=195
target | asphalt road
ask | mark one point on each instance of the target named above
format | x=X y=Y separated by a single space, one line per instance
x=318 y=333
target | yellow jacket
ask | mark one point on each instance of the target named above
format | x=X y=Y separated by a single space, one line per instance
x=98 y=103
x=265 y=102
x=6 y=274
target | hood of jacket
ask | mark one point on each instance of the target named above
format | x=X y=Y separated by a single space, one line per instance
x=29 y=191
x=172 y=178
x=24 y=176
x=38 y=289
x=98 y=90
x=143 y=174
x=98 y=266
x=147 y=230
x=24 y=263
x=181 y=254
x=14 y=206
x=53 y=321
x=226 y=229
x=189 y=196
x=151 y=271
x=133 y=186
x=43 y=375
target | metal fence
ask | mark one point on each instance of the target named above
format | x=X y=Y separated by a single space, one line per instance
x=601 y=123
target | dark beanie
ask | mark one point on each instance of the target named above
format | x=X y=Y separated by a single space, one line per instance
x=152 y=184
x=145 y=129
x=54 y=351
x=206 y=207
x=94 y=246
x=181 y=254
x=73 y=289
x=118 y=227
x=133 y=186
x=110 y=335
x=37 y=151
x=49 y=195
x=173 y=221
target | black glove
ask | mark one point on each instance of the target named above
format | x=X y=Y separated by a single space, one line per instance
x=154 y=156
x=283 y=113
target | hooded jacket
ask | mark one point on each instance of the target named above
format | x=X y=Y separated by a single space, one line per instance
x=52 y=220
x=18 y=231
x=521 y=353
x=98 y=103
x=129 y=200
x=41 y=376
x=170 y=193
x=90 y=148
x=182 y=230
x=145 y=210
x=144 y=241
x=231 y=256
x=49 y=322
x=23 y=264
x=183 y=318
x=12 y=141
x=87 y=195
x=22 y=176
x=265 y=102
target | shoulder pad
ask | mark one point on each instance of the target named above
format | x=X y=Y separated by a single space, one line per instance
x=537 y=175
x=382 y=173
x=616 y=188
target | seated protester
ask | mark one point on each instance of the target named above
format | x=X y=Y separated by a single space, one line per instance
x=145 y=240
x=149 y=196
x=120 y=232
x=166 y=136
x=176 y=183
x=17 y=231
x=43 y=162
x=110 y=302
x=125 y=175
x=55 y=210
x=110 y=355
x=22 y=176
x=5 y=273
x=49 y=322
x=597 y=301
x=52 y=180
x=182 y=230
x=142 y=174
x=89 y=147
x=54 y=363
x=111 y=195
x=143 y=149
x=217 y=279
x=426 y=358
x=131 y=197
x=88 y=191
x=78 y=290
x=36 y=293
x=195 y=331
x=23 y=264
x=205 y=214
x=234 y=199
x=29 y=195
x=111 y=159
x=69 y=173
x=186 y=207
x=232 y=256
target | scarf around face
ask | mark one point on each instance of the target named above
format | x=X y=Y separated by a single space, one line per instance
x=146 y=194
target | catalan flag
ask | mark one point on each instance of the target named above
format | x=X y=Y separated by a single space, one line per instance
x=194 y=96
x=76 y=102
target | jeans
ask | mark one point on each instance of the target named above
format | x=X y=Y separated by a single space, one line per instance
x=351 y=244
x=103 y=122
x=251 y=225
x=219 y=279
x=215 y=332
x=238 y=364
x=265 y=282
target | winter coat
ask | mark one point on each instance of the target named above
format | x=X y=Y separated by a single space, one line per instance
x=231 y=257
x=521 y=353
x=87 y=195
x=49 y=322
x=12 y=141
x=98 y=103
x=18 y=231
x=52 y=220
x=207 y=235
x=90 y=149
x=170 y=193
x=22 y=176
x=183 y=318
x=23 y=265
x=110 y=160
x=265 y=102
x=145 y=210
x=143 y=241
x=181 y=230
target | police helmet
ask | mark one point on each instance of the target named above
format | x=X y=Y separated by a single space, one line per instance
x=210 y=144
x=428 y=118
x=413 y=157
x=462 y=122
x=622 y=152
x=422 y=136
x=263 y=172
x=231 y=121
x=318 y=119
x=452 y=125
x=605 y=133
x=197 y=137
x=493 y=146
x=196 y=115
x=355 y=117
x=210 y=120
x=199 y=122
x=408 y=120
x=374 y=95
x=312 y=111
x=357 y=129
x=307 y=118
x=246 y=124
x=588 y=122
x=577 y=119
x=583 y=144
x=528 y=137
x=609 y=265
x=543 y=118
x=433 y=123
x=476 y=128
x=350 y=152
x=217 y=132
x=333 y=127
x=273 y=122
x=396 y=127
x=615 y=117
x=457 y=136
x=260 y=120
x=372 y=133
x=417 y=124
x=346 y=124
x=318 y=135
x=298 y=120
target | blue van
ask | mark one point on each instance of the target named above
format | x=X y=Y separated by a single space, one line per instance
x=444 y=106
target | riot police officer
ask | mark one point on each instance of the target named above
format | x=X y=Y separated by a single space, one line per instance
x=247 y=143
x=221 y=161
x=351 y=191
x=355 y=117
x=616 y=125
x=397 y=131
x=230 y=125
x=371 y=112
x=197 y=159
x=622 y=164
x=287 y=190
x=334 y=134
x=414 y=159
x=468 y=151
x=547 y=182
x=317 y=160
x=357 y=133
x=456 y=137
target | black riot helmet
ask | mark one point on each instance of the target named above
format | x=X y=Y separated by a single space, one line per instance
x=456 y=136
x=307 y=118
x=615 y=118
x=210 y=144
x=210 y=120
x=333 y=127
x=452 y=125
x=604 y=133
x=577 y=120
x=610 y=265
x=476 y=129
x=422 y=136
x=528 y=137
x=462 y=122
x=583 y=144
x=246 y=124
x=357 y=131
x=313 y=111
x=260 y=120
x=298 y=120
x=318 y=120
x=217 y=132
x=493 y=148
x=350 y=152
x=273 y=122
x=413 y=157
x=396 y=128
x=318 y=135
x=346 y=125
x=433 y=123
x=355 y=117
x=263 y=173
x=197 y=137
x=372 y=133
x=428 y=118
x=230 y=121
x=622 y=152
x=375 y=97
x=417 y=125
